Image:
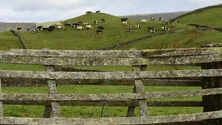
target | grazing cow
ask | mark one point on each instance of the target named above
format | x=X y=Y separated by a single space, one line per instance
x=74 y=25
x=151 y=29
x=125 y=23
x=95 y=22
x=124 y=19
x=100 y=27
x=151 y=18
x=164 y=22
x=19 y=28
x=137 y=26
x=171 y=20
x=128 y=29
x=58 y=24
x=88 y=12
x=45 y=28
x=160 y=18
x=86 y=23
x=79 y=27
x=98 y=31
x=88 y=27
x=165 y=28
x=68 y=24
x=178 y=21
x=102 y=20
x=61 y=27
x=98 y=11
x=144 y=21
x=28 y=29
x=39 y=28
x=51 y=28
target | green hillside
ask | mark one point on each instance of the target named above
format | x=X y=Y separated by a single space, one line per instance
x=9 y=41
x=210 y=16
x=72 y=39
x=179 y=40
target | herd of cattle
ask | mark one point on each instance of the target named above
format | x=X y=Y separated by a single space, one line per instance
x=80 y=25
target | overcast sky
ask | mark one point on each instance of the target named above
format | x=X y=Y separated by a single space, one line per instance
x=52 y=10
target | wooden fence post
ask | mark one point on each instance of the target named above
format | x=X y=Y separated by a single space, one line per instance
x=54 y=107
x=138 y=88
x=1 y=104
x=219 y=85
x=213 y=102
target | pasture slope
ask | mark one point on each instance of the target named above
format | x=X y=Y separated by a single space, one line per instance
x=114 y=33
x=210 y=16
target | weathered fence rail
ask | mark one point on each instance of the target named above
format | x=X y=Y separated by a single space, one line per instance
x=209 y=78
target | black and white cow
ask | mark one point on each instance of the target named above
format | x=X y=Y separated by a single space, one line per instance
x=98 y=11
x=137 y=26
x=95 y=22
x=165 y=28
x=39 y=28
x=19 y=28
x=74 y=25
x=128 y=29
x=125 y=23
x=151 y=30
x=98 y=31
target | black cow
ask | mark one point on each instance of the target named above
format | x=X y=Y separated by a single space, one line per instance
x=68 y=24
x=100 y=27
x=51 y=28
x=45 y=28
x=102 y=20
x=124 y=19
x=88 y=12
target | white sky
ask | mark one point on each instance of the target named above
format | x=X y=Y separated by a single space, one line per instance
x=52 y=10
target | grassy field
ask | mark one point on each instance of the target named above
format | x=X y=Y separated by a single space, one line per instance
x=180 y=40
x=9 y=41
x=115 y=32
x=211 y=17
x=68 y=111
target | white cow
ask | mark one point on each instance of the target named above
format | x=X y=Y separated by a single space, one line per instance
x=79 y=27
x=144 y=21
x=88 y=27
x=125 y=23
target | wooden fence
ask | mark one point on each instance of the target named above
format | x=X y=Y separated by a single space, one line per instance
x=209 y=77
